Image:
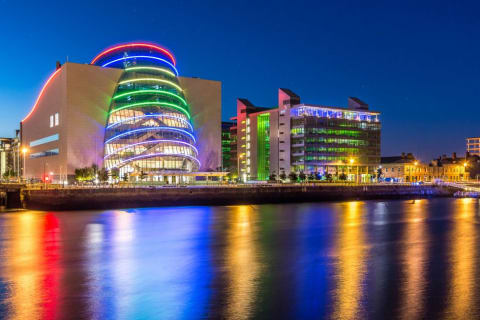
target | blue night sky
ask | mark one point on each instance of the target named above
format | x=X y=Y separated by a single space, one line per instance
x=418 y=64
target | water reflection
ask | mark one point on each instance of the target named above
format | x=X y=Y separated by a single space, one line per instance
x=462 y=260
x=24 y=254
x=399 y=259
x=242 y=263
x=351 y=250
x=414 y=260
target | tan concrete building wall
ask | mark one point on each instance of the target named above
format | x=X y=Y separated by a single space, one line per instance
x=89 y=92
x=37 y=126
x=205 y=99
x=81 y=95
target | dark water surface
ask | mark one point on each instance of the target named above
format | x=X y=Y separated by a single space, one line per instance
x=348 y=260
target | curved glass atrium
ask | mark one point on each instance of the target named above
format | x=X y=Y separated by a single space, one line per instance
x=149 y=133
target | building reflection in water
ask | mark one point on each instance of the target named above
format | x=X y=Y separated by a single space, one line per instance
x=31 y=263
x=242 y=263
x=462 y=258
x=150 y=263
x=351 y=252
x=23 y=256
x=414 y=259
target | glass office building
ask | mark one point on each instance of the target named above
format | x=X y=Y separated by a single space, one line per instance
x=149 y=131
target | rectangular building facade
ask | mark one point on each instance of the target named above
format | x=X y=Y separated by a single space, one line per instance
x=307 y=138
x=473 y=146
x=406 y=168
x=10 y=159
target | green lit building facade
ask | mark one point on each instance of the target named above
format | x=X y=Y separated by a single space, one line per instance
x=228 y=144
x=307 y=138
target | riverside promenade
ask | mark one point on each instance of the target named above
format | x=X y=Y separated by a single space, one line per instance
x=83 y=198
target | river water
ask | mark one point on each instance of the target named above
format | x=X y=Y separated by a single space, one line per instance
x=346 y=260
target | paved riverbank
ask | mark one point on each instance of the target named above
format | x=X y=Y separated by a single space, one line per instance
x=115 y=198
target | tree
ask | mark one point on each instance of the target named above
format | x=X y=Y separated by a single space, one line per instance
x=115 y=173
x=272 y=177
x=143 y=175
x=302 y=176
x=94 y=169
x=283 y=176
x=329 y=177
x=125 y=177
x=103 y=175
x=84 y=174
x=379 y=174
x=311 y=176
x=78 y=174
x=9 y=173
x=292 y=176
x=342 y=177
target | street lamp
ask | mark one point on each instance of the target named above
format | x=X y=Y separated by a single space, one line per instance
x=24 y=151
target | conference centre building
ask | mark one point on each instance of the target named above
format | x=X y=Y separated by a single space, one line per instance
x=128 y=110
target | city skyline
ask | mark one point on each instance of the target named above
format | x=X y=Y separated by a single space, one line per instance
x=414 y=71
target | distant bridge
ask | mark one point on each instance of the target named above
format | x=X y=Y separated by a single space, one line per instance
x=464 y=189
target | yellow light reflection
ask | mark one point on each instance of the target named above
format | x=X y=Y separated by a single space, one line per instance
x=23 y=256
x=243 y=263
x=414 y=259
x=462 y=259
x=350 y=271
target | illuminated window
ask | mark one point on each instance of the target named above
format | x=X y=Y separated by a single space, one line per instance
x=48 y=153
x=56 y=119
x=38 y=142
x=51 y=121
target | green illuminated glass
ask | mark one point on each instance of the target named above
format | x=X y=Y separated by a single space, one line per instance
x=153 y=103
x=136 y=92
x=263 y=146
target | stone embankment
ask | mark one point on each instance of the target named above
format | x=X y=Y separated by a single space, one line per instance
x=130 y=197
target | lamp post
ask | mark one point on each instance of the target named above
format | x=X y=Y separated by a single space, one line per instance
x=24 y=151
x=465 y=164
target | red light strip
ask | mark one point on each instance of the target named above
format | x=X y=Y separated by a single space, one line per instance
x=41 y=93
x=165 y=51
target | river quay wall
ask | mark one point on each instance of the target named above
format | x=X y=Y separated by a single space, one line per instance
x=135 y=197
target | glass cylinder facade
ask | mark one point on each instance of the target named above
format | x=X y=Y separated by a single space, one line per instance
x=148 y=131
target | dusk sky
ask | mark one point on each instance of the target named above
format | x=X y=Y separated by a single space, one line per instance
x=418 y=64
